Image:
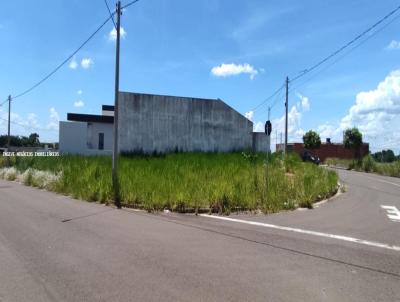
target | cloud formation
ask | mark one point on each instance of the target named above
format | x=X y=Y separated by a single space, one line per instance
x=226 y=70
x=393 y=45
x=112 y=35
x=54 y=119
x=73 y=64
x=86 y=63
x=79 y=104
x=249 y=115
x=376 y=113
x=304 y=102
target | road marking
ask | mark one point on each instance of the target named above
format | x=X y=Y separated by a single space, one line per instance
x=308 y=232
x=392 y=212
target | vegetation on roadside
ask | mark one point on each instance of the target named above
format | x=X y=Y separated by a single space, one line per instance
x=367 y=164
x=182 y=182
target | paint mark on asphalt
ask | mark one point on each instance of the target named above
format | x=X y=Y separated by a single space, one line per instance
x=308 y=232
x=392 y=212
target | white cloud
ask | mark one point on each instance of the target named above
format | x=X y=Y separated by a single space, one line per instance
x=305 y=102
x=54 y=119
x=86 y=63
x=259 y=127
x=295 y=130
x=73 y=64
x=225 y=70
x=249 y=115
x=376 y=113
x=79 y=104
x=112 y=36
x=32 y=121
x=79 y=92
x=393 y=45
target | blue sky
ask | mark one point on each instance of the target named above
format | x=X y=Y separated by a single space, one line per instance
x=239 y=51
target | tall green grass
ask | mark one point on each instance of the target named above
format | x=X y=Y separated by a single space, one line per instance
x=367 y=164
x=191 y=181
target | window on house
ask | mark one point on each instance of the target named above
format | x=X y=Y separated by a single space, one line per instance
x=101 y=141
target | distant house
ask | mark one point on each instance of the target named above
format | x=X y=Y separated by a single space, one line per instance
x=327 y=150
x=157 y=123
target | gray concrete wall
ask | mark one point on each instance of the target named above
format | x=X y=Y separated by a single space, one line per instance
x=261 y=142
x=166 y=123
x=74 y=139
x=93 y=130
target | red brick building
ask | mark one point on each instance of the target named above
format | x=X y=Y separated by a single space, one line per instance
x=327 y=150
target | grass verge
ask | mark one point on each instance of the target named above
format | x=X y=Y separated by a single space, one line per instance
x=367 y=164
x=183 y=182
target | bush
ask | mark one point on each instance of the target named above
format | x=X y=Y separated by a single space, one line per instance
x=368 y=163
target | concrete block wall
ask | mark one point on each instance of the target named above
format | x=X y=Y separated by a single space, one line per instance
x=261 y=142
x=166 y=123
x=74 y=138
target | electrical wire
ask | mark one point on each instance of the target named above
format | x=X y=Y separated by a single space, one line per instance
x=358 y=37
x=63 y=62
x=346 y=53
x=269 y=98
x=4 y=102
x=111 y=14
x=129 y=4
x=28 y=127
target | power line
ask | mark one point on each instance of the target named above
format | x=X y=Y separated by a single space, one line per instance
x=26 y=126
x=3 y=102
x=268 y=98
x=306 y=71
x=347 y=53
x=63 y=62
x=111 y=14
x=129 y=4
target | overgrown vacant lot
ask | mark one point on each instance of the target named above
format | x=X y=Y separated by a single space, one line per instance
x=181 y=182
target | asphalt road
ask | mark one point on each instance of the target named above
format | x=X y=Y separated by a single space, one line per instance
x=54 y=248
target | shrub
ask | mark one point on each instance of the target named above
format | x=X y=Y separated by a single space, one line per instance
x=368 y=164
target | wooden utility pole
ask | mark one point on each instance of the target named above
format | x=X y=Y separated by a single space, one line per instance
x=115 y=180
x=286 y=113
x=9 y=121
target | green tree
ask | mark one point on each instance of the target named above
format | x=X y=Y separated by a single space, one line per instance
x=311 y=140
x=353 y=140
x=33 y=140
x=385 y=156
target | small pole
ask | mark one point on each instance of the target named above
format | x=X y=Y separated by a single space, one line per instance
x=9 y=120
x=286 y=113
x=115 y=180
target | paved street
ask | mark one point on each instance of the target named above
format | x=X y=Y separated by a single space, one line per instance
x=54 y=248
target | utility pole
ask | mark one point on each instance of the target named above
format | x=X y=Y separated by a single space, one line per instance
x=286 y=113
x=115 y=180
x=269 y=137
x=9 y=120
x=269 y=149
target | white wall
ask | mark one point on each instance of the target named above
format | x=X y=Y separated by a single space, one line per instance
x=74 y=138
x=93 y=130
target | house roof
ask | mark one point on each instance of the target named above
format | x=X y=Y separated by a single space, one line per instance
x=78 y=117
